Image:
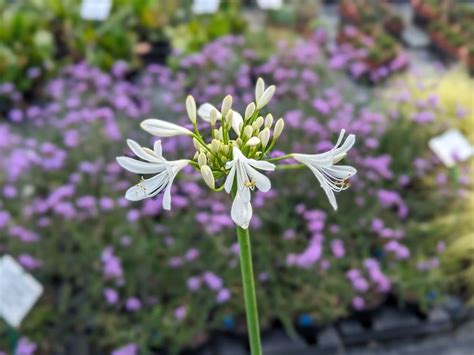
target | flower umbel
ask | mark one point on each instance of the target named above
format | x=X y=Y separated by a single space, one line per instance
x=230 y=158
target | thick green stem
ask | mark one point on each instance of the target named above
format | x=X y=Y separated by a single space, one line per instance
x=249 y=291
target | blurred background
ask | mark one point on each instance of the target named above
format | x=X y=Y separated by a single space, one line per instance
x=392 y=270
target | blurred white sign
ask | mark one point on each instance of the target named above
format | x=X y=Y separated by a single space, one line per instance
x=270 y=4
x=450 y=147
x=97 y=10
x=205 y=6
x=18 y=291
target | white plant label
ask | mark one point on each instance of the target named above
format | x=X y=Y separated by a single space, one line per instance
x=450 y=147
x=19 y=291
x=205 y=6
x=97 y=10
x=270 y=4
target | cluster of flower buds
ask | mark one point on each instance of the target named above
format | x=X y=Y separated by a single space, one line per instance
x=231 y=154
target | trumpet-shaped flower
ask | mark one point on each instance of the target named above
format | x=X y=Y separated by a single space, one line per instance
x=153 y=163
x=333 y=178
x=243 y=171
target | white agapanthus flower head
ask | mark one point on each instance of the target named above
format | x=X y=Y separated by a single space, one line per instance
x=232 y=155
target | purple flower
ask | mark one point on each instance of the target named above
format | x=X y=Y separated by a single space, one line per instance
x=194 y=283
x=29 y=262
x=337 y=248
x=213 y=281
x=133 y=304
x=111 y=295
x=180 y=312
x=129 y=349
x=25 y=347
x=223 y=295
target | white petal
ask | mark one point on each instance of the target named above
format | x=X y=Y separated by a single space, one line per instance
x=326 y=188
x=241 y=212
x=143 y=153
x=147 y=188
x=204 y=112
x=140 y=167
x=262 y=165
x=349 y=142
x=229 y=181
x=158 y=149
x=261 y=181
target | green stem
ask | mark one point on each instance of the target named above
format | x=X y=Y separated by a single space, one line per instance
x=249 y=291
x=280 y=158
x=290 y=167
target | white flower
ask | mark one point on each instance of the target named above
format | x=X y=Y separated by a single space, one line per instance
x=204 y=112
x=153 y=163
x=244 y=170
x=241 y=212
x=162 y=128
x=331 y=177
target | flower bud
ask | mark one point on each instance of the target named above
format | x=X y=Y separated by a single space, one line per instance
x=252 y=142
x=219 y=133
x=248 y=131
x=259 y=88
x=197 y=145
x=266 y=97
x=269 y=120
x=264 y=136
x=249 y=110
x=228 y=118
x=258 y=123
x=213 y=116
x=208 y=176
x=202 y=160
x=191 y=108
x=226 y=105
x=280 y=124
x=215 y=146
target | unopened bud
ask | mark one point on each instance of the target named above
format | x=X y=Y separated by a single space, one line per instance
x=191 y=108
x=259 y=88
x=258 y=123
x=249 y=110
x=202 y=160
x=197 y=145
x=248 y=131
x=269 y=120
x=215 y=146
x=208 y=176
x=264 y=136
x=226 y=105
x=252 y=142
x=228 y=118
x=280 y=124
x=266 y=97
x=213 y=116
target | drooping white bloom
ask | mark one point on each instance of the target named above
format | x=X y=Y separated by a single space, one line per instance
x=204 y=112
x=153 y=163
x=241 y=212
x=162 y=128
x=243 y=170
x=333 y=178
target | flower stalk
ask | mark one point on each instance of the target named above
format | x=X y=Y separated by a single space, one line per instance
x=250 y=297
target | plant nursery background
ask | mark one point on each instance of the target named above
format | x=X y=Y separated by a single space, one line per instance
x=124 y=278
